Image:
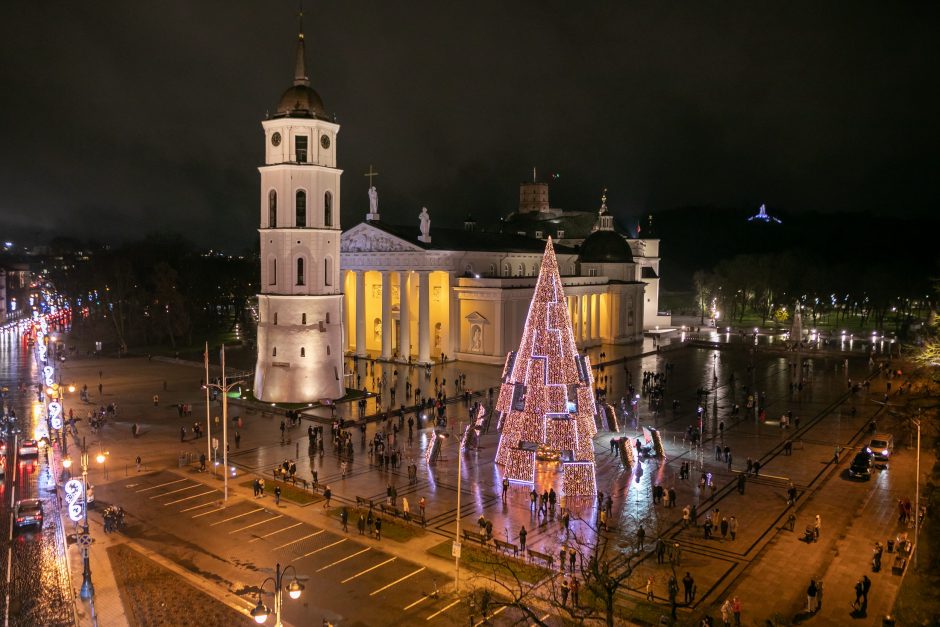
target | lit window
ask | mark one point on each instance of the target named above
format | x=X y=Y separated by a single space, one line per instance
x=300 y=148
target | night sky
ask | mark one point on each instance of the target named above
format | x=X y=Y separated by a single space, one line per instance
x=121 y=118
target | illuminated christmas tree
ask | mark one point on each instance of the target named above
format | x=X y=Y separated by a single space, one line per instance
x=546 y=400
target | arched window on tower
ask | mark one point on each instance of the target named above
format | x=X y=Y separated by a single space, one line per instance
x=272 y=209
x=300 y=271
x=274 y=352
x=328 y=209
x=272 y=278
x=303 y=351
x=303 y=318
x=275 y=318
x=301 y=209
x=327 y=271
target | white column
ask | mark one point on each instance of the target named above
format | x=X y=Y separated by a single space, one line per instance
x=361 y=313
x=424 y=318
x=589 y=317
x=579 y=318
x=386 y=314
x=404 y=308
x=453 y=316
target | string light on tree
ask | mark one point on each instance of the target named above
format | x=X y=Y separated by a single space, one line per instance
x=546 y=400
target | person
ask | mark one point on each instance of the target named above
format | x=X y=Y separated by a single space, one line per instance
x=640 y=535
x=811 y=596
x=202 y=462
x=859 y=593
x=565 y=589
x=572 y=556
x=182 y=434
x=649 y=588
x=505 y=488
x=575 y=591
x=866 y=586
x=688 y=585
x=277 y=495
x=876 y=557
x=522 y=535
x=361 y=523
x=327 y=494
x=733 y=527
x=816 y=527
x=736 y=610
x=261 y=486
x=138 y=463
x=791 y=521
x=378 y=528
x=673 y=593
x=344 y=518
x=238 y=439
x=156 y=400
x=660 y=550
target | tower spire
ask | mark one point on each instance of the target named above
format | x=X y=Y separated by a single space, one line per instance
x=300 y=65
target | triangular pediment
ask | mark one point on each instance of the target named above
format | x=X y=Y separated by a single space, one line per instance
x=366 y=238
x=477 y=318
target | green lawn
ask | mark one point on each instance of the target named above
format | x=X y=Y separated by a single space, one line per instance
x=488 y=562
x=289 y=492
x=392 y=528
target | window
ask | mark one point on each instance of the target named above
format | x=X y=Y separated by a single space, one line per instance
x=303 y=351
x=275 y=318
x=521 y=269
x=272 y=209
x=274 y=352
x=328 y=209
x=561 y=233
x=301 y=208
x=272 y=279
x=507 y=270
x=300 y=271
x=300 y=148
x=327 y=317
x=538 y=235
x=327 y=349
x=327 y=271
x=303 y=318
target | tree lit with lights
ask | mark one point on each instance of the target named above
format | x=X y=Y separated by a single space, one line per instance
x=546 y=402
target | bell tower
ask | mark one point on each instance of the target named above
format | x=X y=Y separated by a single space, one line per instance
x=300 y=319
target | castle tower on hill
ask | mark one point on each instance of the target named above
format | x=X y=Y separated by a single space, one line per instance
x=300 y=307
x=546 y=400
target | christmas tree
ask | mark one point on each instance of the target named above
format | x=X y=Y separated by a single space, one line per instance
x=546 y=400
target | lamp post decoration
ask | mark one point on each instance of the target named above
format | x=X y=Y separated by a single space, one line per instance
x=295 y=588
x=224 y=389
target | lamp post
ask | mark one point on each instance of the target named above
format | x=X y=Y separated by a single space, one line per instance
x=917 y=494
x=224 y=389
x=294 y=589
x=88 y=589
x=102 y=458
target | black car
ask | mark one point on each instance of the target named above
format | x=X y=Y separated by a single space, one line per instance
x=862 y=465
x=28 y=512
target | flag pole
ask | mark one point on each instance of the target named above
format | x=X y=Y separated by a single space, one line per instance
x=208 y=410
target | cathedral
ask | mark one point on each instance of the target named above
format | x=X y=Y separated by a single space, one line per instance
x=416 y=292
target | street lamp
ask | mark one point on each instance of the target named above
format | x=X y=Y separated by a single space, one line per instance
x=294 y=589
x=88 y=589
x=224 y=390
x=102 y=458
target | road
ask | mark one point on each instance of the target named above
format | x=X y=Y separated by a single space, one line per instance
x=35 y=588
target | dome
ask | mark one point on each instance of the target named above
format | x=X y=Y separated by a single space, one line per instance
x=605 y=247
x=301 y=101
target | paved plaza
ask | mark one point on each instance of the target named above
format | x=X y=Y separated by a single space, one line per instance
x=180 y=513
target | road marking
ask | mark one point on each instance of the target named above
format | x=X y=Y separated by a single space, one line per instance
x=195 y=496
x=211 y=511
x=491 y=615
x=276 y=532
x=154 y=487
x=443 y=609
x=386 y=587
x=254 y=511
x=348 y=557
x=370 y=570
x=408 y=607
x=256 y=524
x=195 y=485
x=298 y=539
x=322 y=548
x=189 y=509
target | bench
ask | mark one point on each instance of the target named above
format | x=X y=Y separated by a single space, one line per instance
x=548 y=559
x=900 y=563
x=360 y=502
x=507 y=546
x=474 y=535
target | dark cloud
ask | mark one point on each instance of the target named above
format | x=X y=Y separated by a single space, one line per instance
x=122 y=118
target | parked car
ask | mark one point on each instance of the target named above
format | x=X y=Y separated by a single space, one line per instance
x=29 y=448
x=3 y=466
x=862 y=465
x=28 y=512
x=3 y=447
x=882 y=446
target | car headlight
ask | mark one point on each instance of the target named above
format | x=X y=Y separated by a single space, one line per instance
x=885 y=452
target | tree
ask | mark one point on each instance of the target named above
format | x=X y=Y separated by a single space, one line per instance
x=704 y=291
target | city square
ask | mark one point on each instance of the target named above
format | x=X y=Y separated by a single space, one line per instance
x=429 y=383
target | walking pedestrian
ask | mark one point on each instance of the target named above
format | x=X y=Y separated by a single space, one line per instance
x=816 y=527
x=859 y=593
x=575 y=590
x=327 y=494
x=277 y=495
x=649 y=588
x=688 y=585
x=361 y=524
x=522 y=536
x=640 y=535
x=138 y=463
x=811 y=591
x=733 y=528
x=565 y=588
x=378 y=528
x=505 y=489
x=736 y=610
x=238 y=439
x=344 y=517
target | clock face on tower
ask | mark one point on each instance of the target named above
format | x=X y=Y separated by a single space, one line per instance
x=325 y=141
x=276 y=139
